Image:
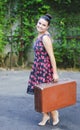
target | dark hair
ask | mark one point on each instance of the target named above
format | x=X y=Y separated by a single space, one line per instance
x=47 y=17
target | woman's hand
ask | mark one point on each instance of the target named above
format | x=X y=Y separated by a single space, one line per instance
x=55 y=77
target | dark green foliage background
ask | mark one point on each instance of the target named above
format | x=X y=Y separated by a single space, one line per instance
x=65 y=28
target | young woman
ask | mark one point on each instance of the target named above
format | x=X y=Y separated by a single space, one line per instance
x=44 y=69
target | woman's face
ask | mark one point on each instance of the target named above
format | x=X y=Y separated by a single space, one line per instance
x=42 y=25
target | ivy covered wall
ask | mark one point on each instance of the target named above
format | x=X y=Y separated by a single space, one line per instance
x=17 y=28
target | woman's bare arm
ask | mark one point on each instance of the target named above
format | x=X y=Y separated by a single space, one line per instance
x=49 y=48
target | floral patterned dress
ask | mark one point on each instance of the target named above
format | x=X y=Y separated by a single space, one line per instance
x=42 y=71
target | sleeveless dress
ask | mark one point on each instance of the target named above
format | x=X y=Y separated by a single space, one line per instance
x=42 y=71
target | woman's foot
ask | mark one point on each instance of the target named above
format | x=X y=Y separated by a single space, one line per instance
x=44 y=120
x=56 y=121
x=55 y=116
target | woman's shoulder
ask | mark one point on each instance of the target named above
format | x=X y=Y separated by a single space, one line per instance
x=46 y=36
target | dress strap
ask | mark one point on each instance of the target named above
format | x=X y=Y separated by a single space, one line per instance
x=44 y=35
x=47 y=35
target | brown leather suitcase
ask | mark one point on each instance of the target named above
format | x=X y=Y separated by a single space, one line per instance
x=53 y=96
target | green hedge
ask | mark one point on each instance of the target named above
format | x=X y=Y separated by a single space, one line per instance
x=68 y=53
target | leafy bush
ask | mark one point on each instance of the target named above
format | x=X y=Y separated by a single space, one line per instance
x=67 y=54
x=2 y=39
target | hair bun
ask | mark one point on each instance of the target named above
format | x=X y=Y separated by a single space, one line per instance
x=49 y=16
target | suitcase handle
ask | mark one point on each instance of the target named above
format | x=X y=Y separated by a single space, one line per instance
x=63 y=79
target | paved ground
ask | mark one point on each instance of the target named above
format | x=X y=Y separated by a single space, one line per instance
x=17 y=108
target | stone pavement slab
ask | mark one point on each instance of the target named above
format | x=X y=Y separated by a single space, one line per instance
x=17 y=108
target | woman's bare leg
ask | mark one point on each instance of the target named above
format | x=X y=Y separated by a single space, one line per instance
x=55 y=117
